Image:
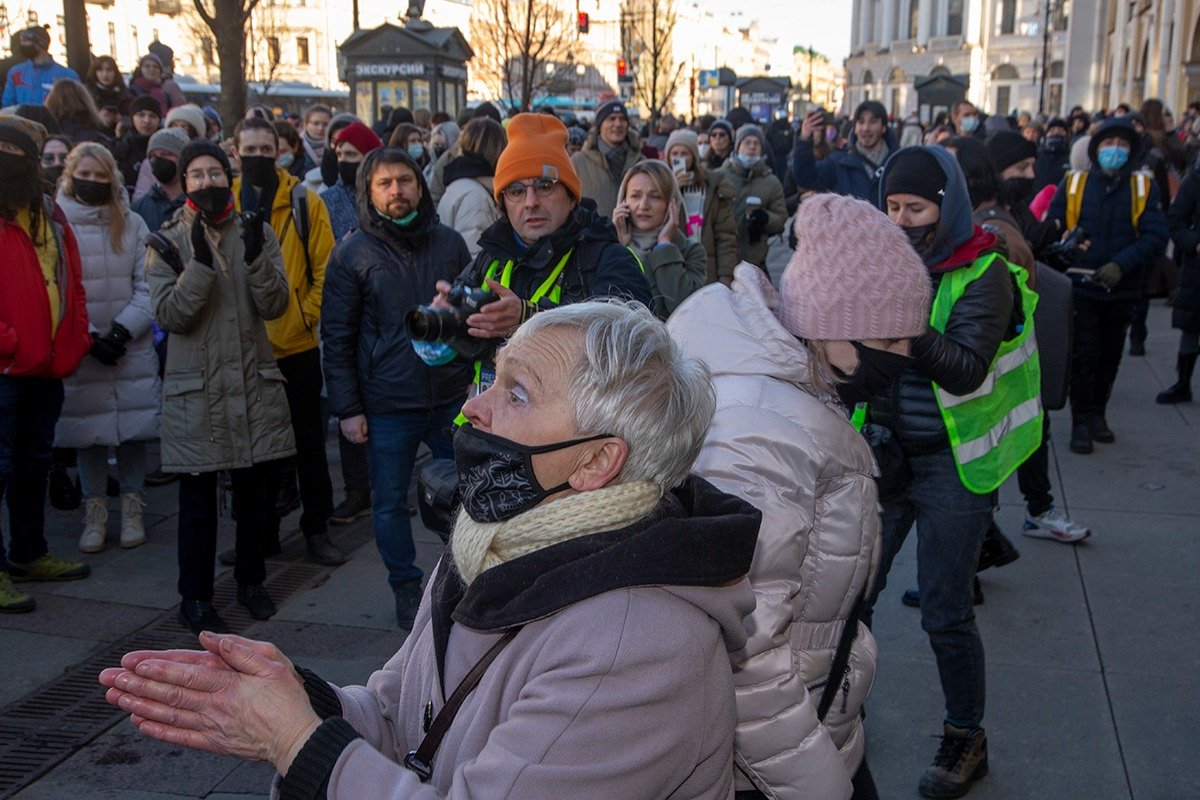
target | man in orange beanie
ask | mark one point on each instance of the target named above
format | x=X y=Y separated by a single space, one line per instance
x=548 y=248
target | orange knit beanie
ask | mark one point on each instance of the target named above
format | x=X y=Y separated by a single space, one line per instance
x=537 y=148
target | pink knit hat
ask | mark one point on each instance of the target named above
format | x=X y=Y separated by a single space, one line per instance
x=853 y=276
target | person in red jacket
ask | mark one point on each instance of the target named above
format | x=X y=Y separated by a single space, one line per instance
x=43 y=337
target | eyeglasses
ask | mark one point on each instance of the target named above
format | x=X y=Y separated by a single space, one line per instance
x=212 y=176
x=54 y=159
x=542 y=187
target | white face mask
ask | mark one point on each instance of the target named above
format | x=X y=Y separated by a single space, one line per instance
x=704 y=148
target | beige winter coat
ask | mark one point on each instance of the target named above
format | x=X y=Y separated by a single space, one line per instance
x=595 y=180
x=792 y=453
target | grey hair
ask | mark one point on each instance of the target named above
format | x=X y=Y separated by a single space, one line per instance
x=633 y=382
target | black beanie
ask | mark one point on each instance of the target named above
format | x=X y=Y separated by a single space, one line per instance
x=1009 y=147
x=203 y=147
x=916 y=172
x=144 y=102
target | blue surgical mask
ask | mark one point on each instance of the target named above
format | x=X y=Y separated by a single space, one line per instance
x=969 y=124
x=416 y=151
x=748 y=161
x=285 y=161
x=1112 y=158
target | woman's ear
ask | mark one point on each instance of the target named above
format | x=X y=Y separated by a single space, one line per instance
x=601 y=466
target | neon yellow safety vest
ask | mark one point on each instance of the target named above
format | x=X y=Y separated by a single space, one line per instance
x=995 y=428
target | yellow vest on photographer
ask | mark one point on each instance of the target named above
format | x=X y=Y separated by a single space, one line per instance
x=995 y=428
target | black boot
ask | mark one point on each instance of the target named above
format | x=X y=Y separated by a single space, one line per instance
x=1181 y=392
x=996 y=550
x=1098 y=427
x=1081 y=436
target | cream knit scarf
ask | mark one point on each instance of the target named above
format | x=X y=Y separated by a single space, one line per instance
x=479 y=546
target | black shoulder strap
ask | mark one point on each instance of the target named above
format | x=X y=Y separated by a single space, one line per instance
x=300 y=219
x=420 y=760
x=166 y=251
x=841 y=658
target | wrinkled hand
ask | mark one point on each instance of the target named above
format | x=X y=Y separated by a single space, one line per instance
x=200 y=250
x=252 y=704
x=1109 y=275
x=667 y=234
x=252 y=236
x=621 y=221
x=355 y=428
x=498 y=318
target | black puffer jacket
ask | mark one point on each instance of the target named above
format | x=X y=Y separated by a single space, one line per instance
x=374 y=276
x=600 y=265
x=1184 y=221
x=957 y=359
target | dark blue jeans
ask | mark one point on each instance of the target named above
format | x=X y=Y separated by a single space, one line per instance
x=950 y=523
x=29 y=409
x=393 y=440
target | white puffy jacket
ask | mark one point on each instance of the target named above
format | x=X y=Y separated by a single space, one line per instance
x=777 y=443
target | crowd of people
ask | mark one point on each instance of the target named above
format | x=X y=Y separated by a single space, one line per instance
x=681 y=488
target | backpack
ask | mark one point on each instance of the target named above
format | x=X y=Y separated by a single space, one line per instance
x=300 y=220
x=1139 y=184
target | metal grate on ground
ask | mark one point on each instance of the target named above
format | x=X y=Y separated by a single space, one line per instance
x=56 y=720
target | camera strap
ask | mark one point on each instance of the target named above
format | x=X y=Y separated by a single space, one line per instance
x=549 y=286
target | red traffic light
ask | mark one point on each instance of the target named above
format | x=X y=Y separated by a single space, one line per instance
x=583 y=22
x=622 y=68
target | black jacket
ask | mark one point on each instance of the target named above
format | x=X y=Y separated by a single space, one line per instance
x=373 y=278
x=600 y=266
x=1050 y=166
x=1184 y=221
x=130 y=152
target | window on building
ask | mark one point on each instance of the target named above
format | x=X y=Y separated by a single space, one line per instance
x=894 y=106
x=1006 y=16
x=1056 y=69
x=868 y=78
x=914 y=14
x=273 y=51
x=1003 y=99
x=302 y=50
x=1005 y=72
x=154 y=33
x=954 y=18
x=31 y=18
x=112 y=39
x=1060 y=15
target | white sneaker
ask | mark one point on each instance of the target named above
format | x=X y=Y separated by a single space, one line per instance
x=95 y=525
x=1054 y=524
x=133 y=532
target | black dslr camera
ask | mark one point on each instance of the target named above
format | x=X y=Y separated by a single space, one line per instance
x=449 y=325
x=1066 y=254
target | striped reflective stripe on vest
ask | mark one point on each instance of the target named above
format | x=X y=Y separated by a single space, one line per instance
x=1003 y=365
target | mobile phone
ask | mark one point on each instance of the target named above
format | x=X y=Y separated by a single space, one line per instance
x=678 y=164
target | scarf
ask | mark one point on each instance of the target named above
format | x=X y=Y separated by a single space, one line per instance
x=693 y=205
x=873 y=159
x=479 y=546
x=614 y=157
x=315 y=148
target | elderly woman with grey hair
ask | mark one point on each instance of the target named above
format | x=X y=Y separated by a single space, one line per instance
x=575 y=636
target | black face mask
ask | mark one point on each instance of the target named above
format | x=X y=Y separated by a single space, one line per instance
x=1055 y=144
x=164 y=169
x=258 y=170
x=1018 y=190
x=876 y=372
x=496 y=477
x=348 y=172
x=211 y=200
x=54 y=173
x=919 y=236
x=29 y=50
x=329 y=167
x=92 y=193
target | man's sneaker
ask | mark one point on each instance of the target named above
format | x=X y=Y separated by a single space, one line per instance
x=912 y=597
x=48 y=568
x=160 y=478
x=199 y=615
x=12 y=599
x=1054 y=524
x=323 y=551
x=257 y=601
x=960 y=761
x=408 y=600
x=355 y=506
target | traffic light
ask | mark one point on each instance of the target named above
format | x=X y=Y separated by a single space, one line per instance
x=583 y=22
x=622 y=68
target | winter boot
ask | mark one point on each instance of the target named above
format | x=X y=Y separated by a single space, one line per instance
x=1098 y=426
x=1181 y=392
x=1081 y=436
x=961 y=760
x=95 y=525
x=133 y=531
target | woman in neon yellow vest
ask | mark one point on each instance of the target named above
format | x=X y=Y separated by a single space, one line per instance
x=964 y=419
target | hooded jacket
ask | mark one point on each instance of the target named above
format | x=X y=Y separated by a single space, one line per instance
x=224 y=405
x=843 y=172
x=105 y=405
x=296 y=331
x=760 y=182
x=959 y=358
x=468 y=205
x=596 y=181
x=29 y=83
x=374 y=277
x=599 y=265
x=616 y=686
x=27 y=346
x=1184 y=220
x=1105 y=214
x=779 y=442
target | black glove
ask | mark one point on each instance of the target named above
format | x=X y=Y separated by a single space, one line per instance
x=200 y=249
x=109 y=348
x=252 y=236
x=756 y=224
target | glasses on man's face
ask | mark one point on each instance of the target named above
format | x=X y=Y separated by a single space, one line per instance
x=54 y=159
x=215 y=176
x=542 y=187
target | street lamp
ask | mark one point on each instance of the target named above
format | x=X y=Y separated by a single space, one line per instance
x=1030 y=27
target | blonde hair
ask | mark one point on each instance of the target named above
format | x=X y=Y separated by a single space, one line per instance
x=664 y=181
x=485 y=136
x=118 y=202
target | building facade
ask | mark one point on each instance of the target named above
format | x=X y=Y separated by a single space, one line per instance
x=1153 y=50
